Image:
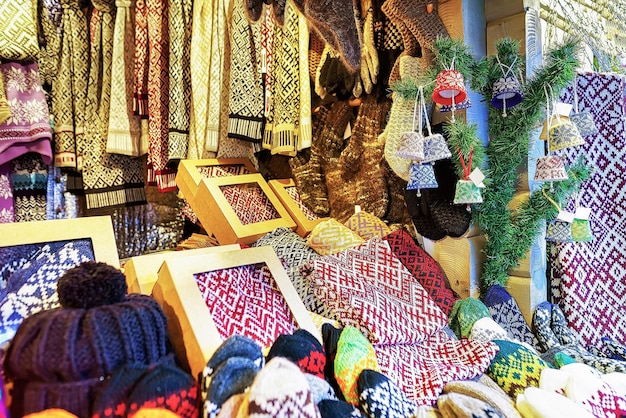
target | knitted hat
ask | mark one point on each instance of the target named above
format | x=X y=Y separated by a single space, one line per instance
x=320 y=388
x=355 y=353
x=373 y=387
x=535 y=402
x=112 y=399
x=57 y=356
x=232 y=376
x=303 y=349
x=515 y=367
x=505 y=311
x=280 y=390
x=456 y=405
x=464 y=313
x=330 y=408
x=498 y=399
x=336 y=18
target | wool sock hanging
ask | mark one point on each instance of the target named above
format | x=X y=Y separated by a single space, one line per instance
x=246 y=102
x=337 y=20
x=253 y=8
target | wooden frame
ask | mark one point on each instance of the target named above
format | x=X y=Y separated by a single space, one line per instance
x=188 y=176
x=305 y=225
x=99 y=229
x=216 y=214
x=190 y=324
x=142 y=271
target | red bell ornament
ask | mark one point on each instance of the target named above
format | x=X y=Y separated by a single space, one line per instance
x=449 y=88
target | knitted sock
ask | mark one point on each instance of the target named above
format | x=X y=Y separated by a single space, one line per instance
x=303 y=349
x=231 y=377
x=589 y=390
x=234 y=346
x=355 y=353
x=337 y=17
x=497 y=398
x=374 y=386
x=371 y=183
x=338 y=409
x=456 y=405
x=320 y=388
x=411 y=46
x=278 y=7
x=424 y=26
x=541 y=321
x=559 y=325
x=515 y=367
x=506 y=312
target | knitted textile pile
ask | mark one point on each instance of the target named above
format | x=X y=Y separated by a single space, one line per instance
x=58 y=356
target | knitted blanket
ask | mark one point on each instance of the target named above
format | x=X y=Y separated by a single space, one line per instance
x=588 y=277
x=110 y=180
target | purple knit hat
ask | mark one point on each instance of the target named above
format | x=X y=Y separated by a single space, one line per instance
x=59 y=357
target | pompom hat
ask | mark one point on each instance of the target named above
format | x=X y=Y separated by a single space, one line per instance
x=97 y=329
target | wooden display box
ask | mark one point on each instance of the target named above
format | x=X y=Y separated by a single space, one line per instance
x=191 y=327
x=98 y=229
x=215 y=212
x=188 y=176
x=142 y=271
x=528 y=293
x=304 y=217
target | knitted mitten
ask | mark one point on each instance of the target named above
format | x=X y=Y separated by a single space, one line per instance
x=355 y=353
x=562 y=331
x=613 y=349
x=374 y=386
x=506 y=312
x=254 y=9
x=541 y=326
x=336 y=19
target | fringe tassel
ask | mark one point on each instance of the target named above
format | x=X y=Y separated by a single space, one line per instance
x=123 y=142
x=140 y=105
x=245 y=129
x=166 y=180
x=212 y=139
x=284 y=139
x=305 y=134
x=268 y=136
x=110 y=198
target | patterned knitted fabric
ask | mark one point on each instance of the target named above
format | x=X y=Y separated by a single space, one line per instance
x=367 y=287
x=29 y=180
x=18 y=40
x=354 y=354
x=5 y=110
x=367 y=225
x=331 y=237
x=259 y=310
x=505 y=311
x=232 y=376
x=424 y=268
x=31 y=279
x=515 y=367
x=422 y=370
x=246 y=97
x=251 y=204
x=69 y=90
x=50 y=48
x=110 y=180
x=290 y=247
x=282 y=135
x=400 y=121
x=28 y=128
x=124 y=132
x=180 y=27
x=497 y=398
x=464 y=314
x=334 y=408
x=486 y=329
x=305 y=129
x=75 y=357
x=280 y=390
x=7 y=214
x=380 y=397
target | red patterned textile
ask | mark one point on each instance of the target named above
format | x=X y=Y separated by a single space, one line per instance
x=422 y=370
x=246 y=300
x=424 y=268
x=589 y=278
x=223 y=170
x=369 y=288
x=250 y=203
x=293 y=193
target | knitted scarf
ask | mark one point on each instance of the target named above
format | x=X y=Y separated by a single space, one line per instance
x=124 y=135
x=208 y=37
x=245 y=120
x=180 y=77
x=158 y=96
x=18 y=38
x=110 y=180
x=28 y=128
x=269 y=31
x=304 y=133
x=69 y=91
x=286 y=84
x=29 y=178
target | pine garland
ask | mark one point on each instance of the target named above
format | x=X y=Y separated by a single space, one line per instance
x=510 y=236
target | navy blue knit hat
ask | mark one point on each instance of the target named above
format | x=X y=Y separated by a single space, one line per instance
x=302 y=348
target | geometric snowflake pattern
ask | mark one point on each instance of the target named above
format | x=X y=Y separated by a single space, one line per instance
x=589 y=278
x=422 y=370
x=369 y=288
x=250 y=203
x=246 y=300
x=293 y=193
